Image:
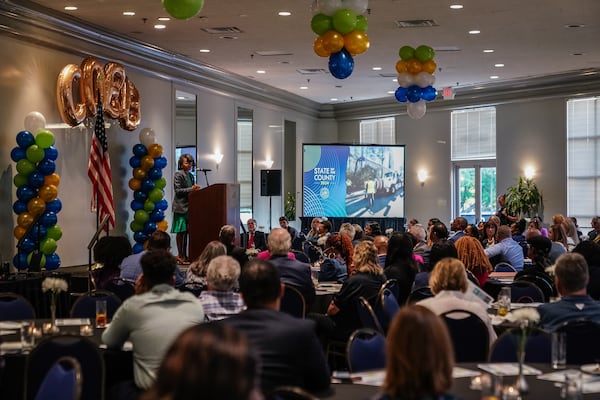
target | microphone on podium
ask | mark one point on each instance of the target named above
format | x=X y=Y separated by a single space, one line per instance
x=203 y=169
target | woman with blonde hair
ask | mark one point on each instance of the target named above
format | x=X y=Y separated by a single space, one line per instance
x=420 y=357
x=471 y=253
x=196 y=272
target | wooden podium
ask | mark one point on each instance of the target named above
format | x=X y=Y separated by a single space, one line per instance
x=210 y=209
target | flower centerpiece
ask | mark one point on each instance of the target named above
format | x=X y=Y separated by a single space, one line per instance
x=527 y=319
x=54 y=286
x=252 y=252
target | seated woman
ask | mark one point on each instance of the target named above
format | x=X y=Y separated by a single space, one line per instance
x=196 y=272
x=442 y=249
x=109 y=252
x=208 y=361
x=489 y=234
x=539 y=252
x=220 y=301
x=471 y=253
x=400 y=264
x=338 y=253
x=420 y=357
x=449 y=284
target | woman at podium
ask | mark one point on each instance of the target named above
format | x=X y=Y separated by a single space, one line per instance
x=183 y=183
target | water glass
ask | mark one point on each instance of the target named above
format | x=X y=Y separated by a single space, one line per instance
x=559 y=350
x=504 y=301
x=573 y=387
x=314 y=274
x=101 y=315
x=28 y=335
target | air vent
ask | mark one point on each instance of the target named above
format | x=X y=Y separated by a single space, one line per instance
x=222 y=30
x=388 y=75
x=416 y=23
x=270 y=53
x=446 y=49
x=311 y=71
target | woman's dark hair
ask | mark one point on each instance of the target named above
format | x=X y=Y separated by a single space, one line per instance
x=400 y=251
x=111 y=250
x=375 y=229
x=590 y=251
x=442 y=249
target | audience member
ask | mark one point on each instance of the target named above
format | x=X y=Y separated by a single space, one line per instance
x=437 y=232
x=348 y=230
x=381 y=242
x=502 y=214
x=571 y=232
x=285 y=224
x=442 y=249
x=254 y=239
x=471 y=253
x=506 y=250
x=109 y=252
x=579 y=233
x=594 y=234
x=418 y=231
x=209 y=361
x=571 y=278
x=324 y=233
x=196 y=273
x=400 y=264
x=591 y=252
x=359 y=234
x=490 y=231
x=471 y=230
x=313 y=233
x=220 y=301
x=538 y=251
x=557 y=234
x=289 y=351
x=458 y=226
x=538 y=223
x=151 y=319
x=337 y=263
x=227 y=237
x=516 y=230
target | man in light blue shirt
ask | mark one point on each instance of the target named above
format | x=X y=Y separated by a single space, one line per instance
x=506 y=249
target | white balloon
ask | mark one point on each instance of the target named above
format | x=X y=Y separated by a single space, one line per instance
x=405 y=79
x=358 y=6
x=34 y=122
x=314 y=8
x=147 y=137
x=424 y=79
x=329 y=7
x=416 y=110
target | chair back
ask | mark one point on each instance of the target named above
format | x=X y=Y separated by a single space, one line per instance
x=62 y=381
x=15 y=307
x=545 y=284
x=290 y=393
x=366 y=350
x=300 y=256
x=52 y=349
x=582 y=341
x=469 y=335
x=293 y=302
x=390 y=307
x=538 y=347
x=419 y=294
x=85 y=306
x=121 y=287
x=504 y=267
x=367 y=315
x=392 y=286
x=525 y=292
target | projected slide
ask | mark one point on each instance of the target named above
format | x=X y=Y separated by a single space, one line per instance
x=353 y=181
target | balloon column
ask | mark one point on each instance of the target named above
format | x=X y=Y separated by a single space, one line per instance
x=415 y=78
x=147 y=184
x=37 y=195
x=341 y=28
x=183 y=9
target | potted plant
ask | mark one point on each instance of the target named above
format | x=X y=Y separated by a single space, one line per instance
x=524 y=199
x=290 y=207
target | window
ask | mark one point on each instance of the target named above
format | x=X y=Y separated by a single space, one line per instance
x=378 y=131
x=244 y=161
x=473 y=154
x=583 y=159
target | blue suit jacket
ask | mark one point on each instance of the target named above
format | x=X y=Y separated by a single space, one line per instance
x=297 y=274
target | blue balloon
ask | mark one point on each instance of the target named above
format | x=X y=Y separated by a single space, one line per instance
x=140 y=237
x=17 y=154
x=48 y=219
x=135 y=162
x=154 y=174
x=160 y=162
x=341 y=64
x=25 y=139
x=147 y=185
x=35 y=179
x=140 y=196
x=161 y=205
x=413 y=93
x=36 y=235
x=137 y=205
x=25 y=193
x=46 y=167
x=27 y=245
x=20 y=261
x=140 y=150
x=149 y=227
x=50 y=153
x=55 y=206
x=157 y=215
x=428 y=93
x=401 y=94
x=52 y=261
x=137 y=248
x=19 y=206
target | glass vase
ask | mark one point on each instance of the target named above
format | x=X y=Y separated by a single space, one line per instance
x=53 y=328
x=521 y=384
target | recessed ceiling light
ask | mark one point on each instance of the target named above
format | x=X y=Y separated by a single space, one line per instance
x=261 y=71
x=128 y=13
x=499 y=65
x=204 y=50
x=456 y=6
x=70 y=8
x=180 y=97
x=303 y=87
x=494 y=77
x=391 y=92
x=395 y=80
x=474 y=32
x=377 y=68
x=488 y=50
x=164 y=18
x=159 y=26
x=284 y=13
x=333 y=99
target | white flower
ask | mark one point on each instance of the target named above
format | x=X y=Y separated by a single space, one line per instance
x=55 y=285
x=252 y=252
x=389 y=231
x=526 y=314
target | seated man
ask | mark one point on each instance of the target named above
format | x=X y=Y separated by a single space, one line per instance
x=458 y=226
x=506 y=249
x=131 y=267
x=254 y=239
x=152 y=319
x=227 y=237
x=571 y=279
x=285 y=224
x=220 y=301
x=381 y=242
x=290 y=353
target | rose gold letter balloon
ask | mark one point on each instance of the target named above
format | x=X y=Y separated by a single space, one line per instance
x=92 y=78
x=115 y=80
x=130 y=112
x=71 y=112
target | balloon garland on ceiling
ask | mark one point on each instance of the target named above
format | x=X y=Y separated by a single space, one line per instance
x=341 y=28
x=37 y=196
x=183 y=9
x=415 y=79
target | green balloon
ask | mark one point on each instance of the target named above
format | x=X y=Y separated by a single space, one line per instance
x=424 y=53
x=20 y=180
x=42 y=259
x=44 y=139
x=406 y=53
x=35 y=153
x=183 y=9
x=54 y=232
x=160 y=183
x=141 y=216
x=25 y=167
x=48 y=246
x=361 y=23
x=136 y=226
x=155 y=195
x=148 y=205
x=344 y=21
x=321 y=23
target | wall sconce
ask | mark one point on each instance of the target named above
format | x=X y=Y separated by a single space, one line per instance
x=268 y=163
x=422 y=175
x=218 y=158
x=529 y=172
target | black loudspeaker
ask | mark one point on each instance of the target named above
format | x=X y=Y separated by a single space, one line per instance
x=270 y=182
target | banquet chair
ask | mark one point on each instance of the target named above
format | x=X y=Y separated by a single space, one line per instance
x=85 y=306
x=545 y=284
x=419 y=294
x=293 y=302
x=392 y=286
x=290 y=393
x=469 y=335
x=52 y=349
x=300 y=256
x=366 y=350
x=389 y=307
x=538 y=347
x=121 y=287
x=62 y=381
x=15 y=307
x=525 y=292
x=504 y=267
x=367 y=315
x=582 y=341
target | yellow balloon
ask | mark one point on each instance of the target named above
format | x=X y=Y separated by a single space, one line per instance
x=24 y=220
x=332 y=41
x=356 y=42
x=414 y=66
x=135 y=184
x=401 y=66
x=429 y=66
x=48 y=193
x=139 y=173
x=155 y=150
x=318 y=48
x=18 y=232
x=52 y=179
x=36 y=206
x=162 y=225
x=147 y=162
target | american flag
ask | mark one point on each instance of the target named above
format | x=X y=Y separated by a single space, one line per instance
x=99 y=171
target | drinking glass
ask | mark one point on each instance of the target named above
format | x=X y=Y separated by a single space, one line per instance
x=504 y=301
x=314 y=274
x=559 y=350
x=573 y=386
x=28 y=335
x=100 y=313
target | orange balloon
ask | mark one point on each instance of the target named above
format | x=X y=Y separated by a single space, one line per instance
x=18 y=232
x=401 y=66
x=36 y=206
x=48 y=193
x=52 y=179
x=139 y=173
x=155 y=150
x=429 y=66
x=24 y=220
x=135 y=184
x=356 y=42
x=162 y=225
x=147 y=162
x=414 y=66
x=318 y=48
x=332 y=41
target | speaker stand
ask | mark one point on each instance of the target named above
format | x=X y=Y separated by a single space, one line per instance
x=270 y=214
